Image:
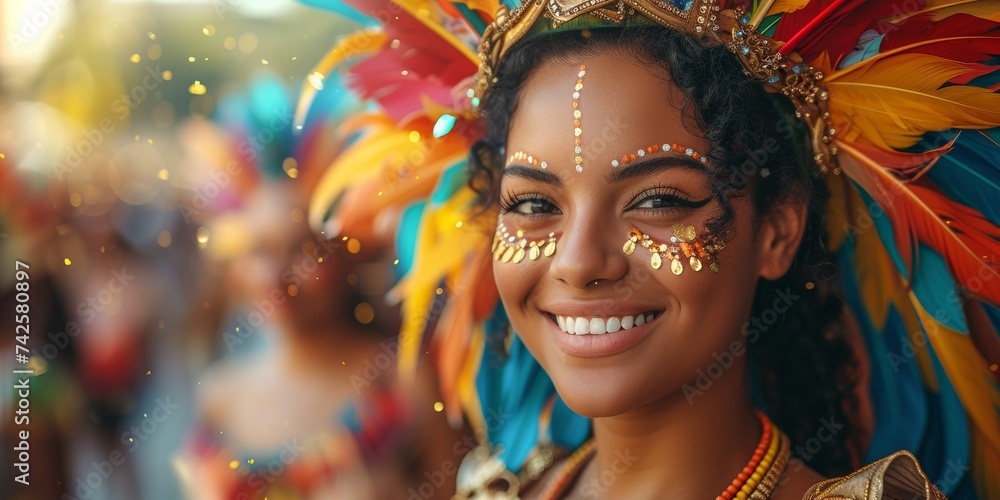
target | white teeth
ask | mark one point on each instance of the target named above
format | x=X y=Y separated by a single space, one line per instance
x=614 y=324
x=628 y=322
x=597 y=326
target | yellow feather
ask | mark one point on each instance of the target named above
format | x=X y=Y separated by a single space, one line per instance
x=786 y=6
x=968 y=374
x=892 y=102
x=351 y=45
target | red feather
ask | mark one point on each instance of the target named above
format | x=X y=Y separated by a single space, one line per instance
x=969 y=243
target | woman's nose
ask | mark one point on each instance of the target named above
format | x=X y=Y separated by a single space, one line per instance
x=589 y=250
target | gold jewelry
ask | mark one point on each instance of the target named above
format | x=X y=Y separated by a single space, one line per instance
x=756 y=481
x=509 y=247
x=655 y=148
x=577 y=117
x=532 y=160
x=731 y=27
x=683 y=244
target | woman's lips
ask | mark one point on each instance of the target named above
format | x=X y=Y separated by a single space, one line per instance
x=592 y=337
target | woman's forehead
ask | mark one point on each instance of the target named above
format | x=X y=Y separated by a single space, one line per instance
x=605 y=105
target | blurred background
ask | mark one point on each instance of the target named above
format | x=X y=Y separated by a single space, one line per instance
x=189 y=338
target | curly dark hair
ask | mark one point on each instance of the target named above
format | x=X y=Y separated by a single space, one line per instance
x=803 y=367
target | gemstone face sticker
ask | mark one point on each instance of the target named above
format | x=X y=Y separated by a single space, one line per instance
x=684 y=245
x=513 y=248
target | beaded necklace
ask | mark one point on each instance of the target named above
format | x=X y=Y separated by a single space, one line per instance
x=755 y=482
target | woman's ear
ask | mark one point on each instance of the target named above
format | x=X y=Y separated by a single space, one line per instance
x=779 y=237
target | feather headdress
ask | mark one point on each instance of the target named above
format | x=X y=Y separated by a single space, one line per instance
x=901 y=99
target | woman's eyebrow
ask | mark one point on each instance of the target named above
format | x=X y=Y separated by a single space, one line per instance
x=532 y=174
x=650 y=166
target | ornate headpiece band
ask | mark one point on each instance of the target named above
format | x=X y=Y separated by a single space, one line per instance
x=731 y=27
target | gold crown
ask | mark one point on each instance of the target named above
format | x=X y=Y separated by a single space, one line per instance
x=711 y=20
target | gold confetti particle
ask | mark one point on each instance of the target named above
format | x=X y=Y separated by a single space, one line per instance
x=293 y=290
x=2 y=156
x=316 y=80
x=395 y=262
x=438 y=406
x=291 y=167
x=458 y=224
x=364 y=313
x=345 y=238
x=345 y=363
x=167 y=74
x=102 y=248
x=202 y=235
x=234 y=464
x=164 y=239
x=135 y=58
x=810 y=285
x=137 y=137
x=394 y=44
x=353 y=245
x=404 y=72
x=208 y=30
x=151 y=35
x=149 y=372
x=263 y=61
x=75 y=199
x=67 y=261
x=250 y=461
x=439 y=291
x=414 y=136
x=150 y=141
x=229 y=43
x=191 y=59
x=993 y=367
x=197 y=88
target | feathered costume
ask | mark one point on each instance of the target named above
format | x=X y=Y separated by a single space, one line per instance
x=911 y=92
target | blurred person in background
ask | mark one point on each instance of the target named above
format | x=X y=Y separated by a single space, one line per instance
x=305 y=404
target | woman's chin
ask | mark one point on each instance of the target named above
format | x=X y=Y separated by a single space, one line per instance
x=597 y=400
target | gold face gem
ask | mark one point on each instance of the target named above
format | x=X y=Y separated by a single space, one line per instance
x=514 y=248
x=684 y=244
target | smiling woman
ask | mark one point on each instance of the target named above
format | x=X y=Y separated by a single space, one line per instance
x=624 y=361
x=683 y=297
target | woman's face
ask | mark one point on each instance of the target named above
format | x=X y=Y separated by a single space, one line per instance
x=623 y=107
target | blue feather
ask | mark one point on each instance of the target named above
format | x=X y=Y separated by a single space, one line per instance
x=970 y=173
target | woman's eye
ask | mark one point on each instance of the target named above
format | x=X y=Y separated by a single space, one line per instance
x=659 y=201
x=534 y=206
